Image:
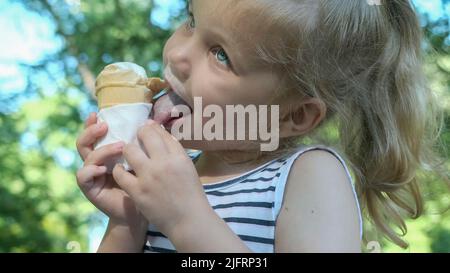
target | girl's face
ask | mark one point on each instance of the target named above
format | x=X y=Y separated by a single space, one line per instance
x=208 y=58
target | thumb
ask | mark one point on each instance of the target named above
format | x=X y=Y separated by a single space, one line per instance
x=125 y=180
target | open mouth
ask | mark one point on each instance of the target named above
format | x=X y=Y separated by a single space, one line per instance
x=165 y=104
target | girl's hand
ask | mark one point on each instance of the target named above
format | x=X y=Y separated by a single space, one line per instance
x=166 y=187
x=100 y=187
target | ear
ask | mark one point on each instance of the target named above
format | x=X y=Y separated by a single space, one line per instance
x=299 y=117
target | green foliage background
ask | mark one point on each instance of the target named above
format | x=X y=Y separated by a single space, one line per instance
x=41 y=208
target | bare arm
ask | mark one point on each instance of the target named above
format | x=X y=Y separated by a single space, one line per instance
x=122 y=239
x=319 y=212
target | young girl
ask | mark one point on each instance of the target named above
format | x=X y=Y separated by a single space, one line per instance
x=343 y=67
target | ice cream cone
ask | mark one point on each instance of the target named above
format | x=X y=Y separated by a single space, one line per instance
x=156 y=84
x=121 y=83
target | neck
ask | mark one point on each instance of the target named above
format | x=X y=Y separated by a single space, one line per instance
x=226 y=162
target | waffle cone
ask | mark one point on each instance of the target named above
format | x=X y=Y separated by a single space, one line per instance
x=114 y=95
x=121 y=83
x=155 y=85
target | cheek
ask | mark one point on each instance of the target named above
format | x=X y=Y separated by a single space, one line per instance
x=216 y=89
x=207 y=85
x=261 y=90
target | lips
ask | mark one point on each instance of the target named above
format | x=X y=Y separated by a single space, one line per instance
x=162 y=108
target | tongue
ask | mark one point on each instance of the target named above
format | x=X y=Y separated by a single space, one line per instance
x=161 y=112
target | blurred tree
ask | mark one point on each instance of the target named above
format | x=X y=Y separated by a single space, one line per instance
x=42 y=209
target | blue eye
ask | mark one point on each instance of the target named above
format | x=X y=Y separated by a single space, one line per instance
x=222 y=56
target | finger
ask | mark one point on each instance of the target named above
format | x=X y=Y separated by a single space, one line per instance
x=136 y=158
x=99 y=156
x=171 y=143
x=125 y=180
x=87 y=174
x=91 y=120
x=88 y=137
x=152 y=140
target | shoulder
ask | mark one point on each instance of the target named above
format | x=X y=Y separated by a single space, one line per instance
x=318 y=172
x=319 y=168
x=319 y=202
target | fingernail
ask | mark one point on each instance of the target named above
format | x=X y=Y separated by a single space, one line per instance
x=119 y=145
x=101 y=126
x=102 y=169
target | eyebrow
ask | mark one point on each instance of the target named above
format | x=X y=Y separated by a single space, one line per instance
x=225 y=40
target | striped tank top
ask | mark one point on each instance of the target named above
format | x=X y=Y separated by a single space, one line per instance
x=249 y=203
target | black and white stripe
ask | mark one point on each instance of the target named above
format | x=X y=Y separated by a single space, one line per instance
x=249 y=204
x=245 y=203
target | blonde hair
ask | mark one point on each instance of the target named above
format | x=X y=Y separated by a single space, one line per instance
x=365 y=63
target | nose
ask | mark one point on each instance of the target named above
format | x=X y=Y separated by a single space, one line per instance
x=180 y=62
